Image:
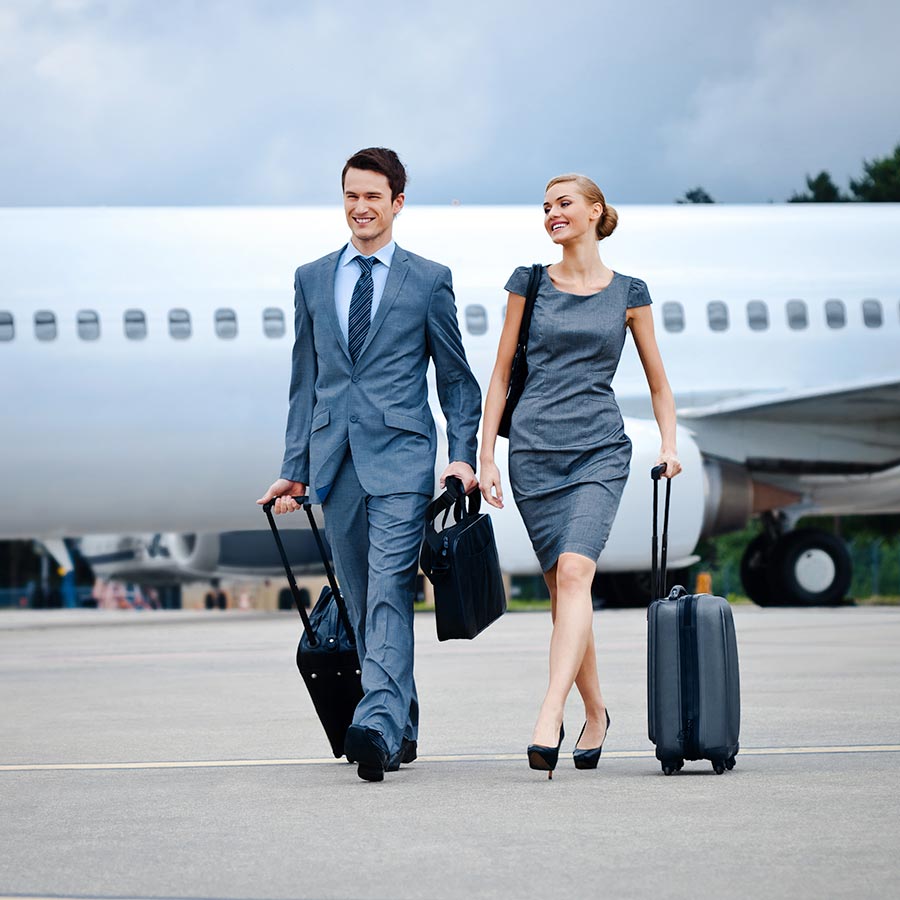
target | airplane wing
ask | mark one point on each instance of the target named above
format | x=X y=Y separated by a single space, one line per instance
x=838 y=429
x=842 y=404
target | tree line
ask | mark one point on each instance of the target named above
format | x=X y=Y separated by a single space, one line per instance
x=878 y=183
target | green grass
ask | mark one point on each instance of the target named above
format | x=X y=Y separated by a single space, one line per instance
x=520 y=604
x=878 y=600
x=512 y=605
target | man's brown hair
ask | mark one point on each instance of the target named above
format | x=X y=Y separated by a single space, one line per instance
x=379 y=159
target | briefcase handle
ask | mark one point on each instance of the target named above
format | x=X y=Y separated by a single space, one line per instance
x=454 y=497
x=329 y=572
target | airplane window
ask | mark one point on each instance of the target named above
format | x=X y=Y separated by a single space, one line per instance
x=796 y=315
x=179 y=324
x=673 y=317
x=45 y=325
x=872 y=315
x=717 y=315
x=476 y=319
x=835 y=313
x=757 y=315
x=88 y=325
x=226 y=323
x=273 y=322
x=135 y=325
x=7 y=326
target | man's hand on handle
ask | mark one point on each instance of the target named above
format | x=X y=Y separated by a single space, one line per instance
x=464 y=472
x=285 y=491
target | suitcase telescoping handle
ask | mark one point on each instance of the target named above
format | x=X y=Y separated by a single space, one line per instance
x=658 y=576
x=329 y=572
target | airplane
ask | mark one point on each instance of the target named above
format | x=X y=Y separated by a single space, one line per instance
x=145 y=360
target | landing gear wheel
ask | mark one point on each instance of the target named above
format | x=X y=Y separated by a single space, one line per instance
x=729 y=763
x=809 y=567
x=718 y=767
x=755 y=569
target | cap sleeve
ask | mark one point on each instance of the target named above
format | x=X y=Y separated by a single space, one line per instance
x=638 y=295
x=518 y=281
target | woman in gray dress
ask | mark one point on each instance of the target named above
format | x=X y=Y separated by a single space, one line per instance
x=568 y=451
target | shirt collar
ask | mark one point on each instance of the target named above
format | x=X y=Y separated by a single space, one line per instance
x=385 y=255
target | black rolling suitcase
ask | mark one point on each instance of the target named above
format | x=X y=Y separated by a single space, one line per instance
x=693 y=684
x=326 y=655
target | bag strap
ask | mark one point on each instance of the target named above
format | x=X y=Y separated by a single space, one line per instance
x=454 y=497
x=329 y=572
x=534 y=281
x=658 y=573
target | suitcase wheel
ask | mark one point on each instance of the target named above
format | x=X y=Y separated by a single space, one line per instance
x=718 y=766
x=729 y=763
x=671 y=766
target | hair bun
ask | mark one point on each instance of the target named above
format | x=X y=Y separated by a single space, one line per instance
x=608 y=221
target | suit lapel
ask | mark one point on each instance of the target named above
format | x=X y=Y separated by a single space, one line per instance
x=328 y=270
x=396 y=276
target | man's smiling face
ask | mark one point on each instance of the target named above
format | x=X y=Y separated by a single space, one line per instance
x=369 y=208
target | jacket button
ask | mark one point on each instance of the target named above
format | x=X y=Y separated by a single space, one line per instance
x=354 y=418
x=355 y=379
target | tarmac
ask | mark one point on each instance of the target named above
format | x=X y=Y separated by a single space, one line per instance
x=177 y=755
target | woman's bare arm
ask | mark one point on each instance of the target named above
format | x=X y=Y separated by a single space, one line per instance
x=640 y=321
x=496 y=399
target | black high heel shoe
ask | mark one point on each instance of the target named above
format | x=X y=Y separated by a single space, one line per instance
x=545 y=758
x=588 y=759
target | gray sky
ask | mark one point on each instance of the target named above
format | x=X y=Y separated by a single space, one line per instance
x=240 y=102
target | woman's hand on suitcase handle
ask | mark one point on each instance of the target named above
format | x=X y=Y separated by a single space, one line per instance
x=669 y=459
x=283 y=493
x=490 y=481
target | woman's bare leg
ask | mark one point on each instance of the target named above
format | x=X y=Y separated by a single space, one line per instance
x=587 y=680
x=572 y=632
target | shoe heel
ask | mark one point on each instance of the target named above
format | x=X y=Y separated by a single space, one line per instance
x=588 y=759
x=543 y=758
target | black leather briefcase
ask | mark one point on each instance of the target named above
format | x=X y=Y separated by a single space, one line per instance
x=326 y=655
x=461 y=562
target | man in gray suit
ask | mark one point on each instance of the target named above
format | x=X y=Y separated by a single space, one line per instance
x=361 y=436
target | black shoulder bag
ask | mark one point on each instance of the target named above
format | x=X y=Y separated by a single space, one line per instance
x=519 y=371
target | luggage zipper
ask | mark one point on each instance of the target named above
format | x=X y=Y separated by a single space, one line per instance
x=687 y=640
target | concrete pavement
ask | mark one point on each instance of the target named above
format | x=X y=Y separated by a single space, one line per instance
x=177 y=755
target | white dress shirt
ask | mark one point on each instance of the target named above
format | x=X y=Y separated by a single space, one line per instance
x=347 y=274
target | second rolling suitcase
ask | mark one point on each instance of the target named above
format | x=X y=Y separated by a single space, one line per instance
x=326 y=655
x=693 y=682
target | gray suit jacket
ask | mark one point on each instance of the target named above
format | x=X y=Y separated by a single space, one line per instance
x=379 y=407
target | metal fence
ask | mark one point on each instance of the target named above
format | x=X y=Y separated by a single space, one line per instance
x=876 y=567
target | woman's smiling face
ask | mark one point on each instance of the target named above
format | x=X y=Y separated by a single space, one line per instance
x=567 y=214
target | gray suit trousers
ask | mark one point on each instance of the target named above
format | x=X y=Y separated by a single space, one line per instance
x=375 y=542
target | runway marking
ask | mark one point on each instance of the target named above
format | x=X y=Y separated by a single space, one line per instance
x=460 y=757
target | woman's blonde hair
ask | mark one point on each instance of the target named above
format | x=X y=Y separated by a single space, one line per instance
x=606 y=224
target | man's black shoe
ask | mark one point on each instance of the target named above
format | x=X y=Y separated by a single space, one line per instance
x=366 y=747
x=406 y=754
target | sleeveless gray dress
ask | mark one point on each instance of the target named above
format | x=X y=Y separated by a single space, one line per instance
x=568 y=451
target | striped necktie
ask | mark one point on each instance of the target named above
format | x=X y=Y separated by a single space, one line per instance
x=361 y=306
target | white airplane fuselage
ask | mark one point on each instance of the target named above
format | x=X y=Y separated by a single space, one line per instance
x=106 y=433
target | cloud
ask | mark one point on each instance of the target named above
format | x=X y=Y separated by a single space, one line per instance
x=820 y=92
x=190 y=102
